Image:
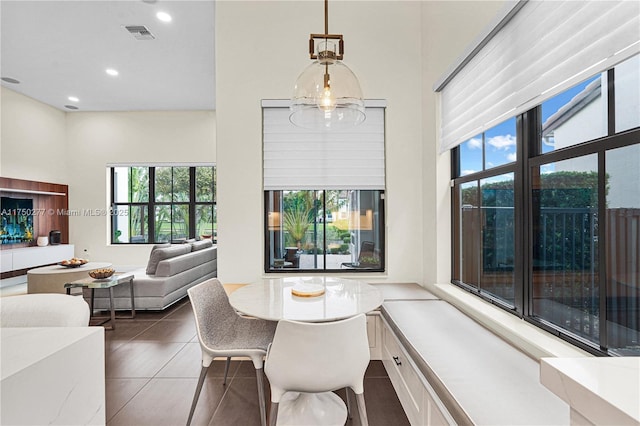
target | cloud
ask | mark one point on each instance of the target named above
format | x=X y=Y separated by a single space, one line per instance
x=512 y=156
x=547 y=168
x=467 y=172
x=474 y=143
x=502 y=141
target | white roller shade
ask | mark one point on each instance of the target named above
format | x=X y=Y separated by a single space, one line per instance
x=545 y=48
x=298 y=159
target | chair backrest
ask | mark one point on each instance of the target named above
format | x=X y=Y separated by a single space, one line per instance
x=213 y=312
x=43 y=310
x=318 y=357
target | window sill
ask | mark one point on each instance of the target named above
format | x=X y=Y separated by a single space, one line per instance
x=526 y=337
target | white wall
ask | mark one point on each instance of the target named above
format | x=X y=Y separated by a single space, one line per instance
x=396 y=48
x=261 y=47
x=99 y=138
x=32 y=139
x=448 y=28
x=45 y=144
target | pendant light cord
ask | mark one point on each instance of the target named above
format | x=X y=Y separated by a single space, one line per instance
x=326 y=16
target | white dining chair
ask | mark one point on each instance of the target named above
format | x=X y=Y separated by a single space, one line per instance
x=317 y=358
x=224 y=333
x=43 y=310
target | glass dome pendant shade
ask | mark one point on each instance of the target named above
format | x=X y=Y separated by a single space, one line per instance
x=327 y=93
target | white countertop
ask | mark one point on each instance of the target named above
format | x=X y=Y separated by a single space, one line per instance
x=271 y=299
x=25 y=346
x=52 y=376
x=603 y=390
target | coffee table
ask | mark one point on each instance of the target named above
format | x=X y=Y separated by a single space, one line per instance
x=51 y=279
x=108 y=283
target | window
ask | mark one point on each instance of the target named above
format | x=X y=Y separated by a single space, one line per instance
x=485 y=213
x=325 y=230
x=555 y=236
x=323 y=194
x=163 y=203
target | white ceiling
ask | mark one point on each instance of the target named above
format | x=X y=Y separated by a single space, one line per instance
x=58 y=49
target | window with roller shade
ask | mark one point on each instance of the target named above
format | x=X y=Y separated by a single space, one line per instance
x=323 y=194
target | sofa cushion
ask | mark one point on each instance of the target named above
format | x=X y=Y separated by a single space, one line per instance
x=178 y=264
x=165 y=253
x=202 y=244
x=161 y=245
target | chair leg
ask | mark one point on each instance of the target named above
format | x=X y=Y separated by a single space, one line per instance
x=273 y=414
x=203 y=373
x=226 y=370
x=346 y=390
x=362 y=409
x=261 y=400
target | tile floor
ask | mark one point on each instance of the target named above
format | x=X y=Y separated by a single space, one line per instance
x=152 y=366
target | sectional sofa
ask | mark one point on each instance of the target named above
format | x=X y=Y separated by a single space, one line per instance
x=171 y=270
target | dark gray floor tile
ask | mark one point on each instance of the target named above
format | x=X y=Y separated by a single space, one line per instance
x=140 y=359
x=119 y=392
x=376 y=370
x=182 y=312
x=125 y=331
x=383 y=405
x=239 y=405
x=169 y=330
x=166 y=402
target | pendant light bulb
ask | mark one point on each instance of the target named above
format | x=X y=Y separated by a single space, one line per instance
x=327 y=102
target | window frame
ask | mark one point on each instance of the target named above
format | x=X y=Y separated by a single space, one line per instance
x=151 y=204
x=530 y=157
x=269 y=269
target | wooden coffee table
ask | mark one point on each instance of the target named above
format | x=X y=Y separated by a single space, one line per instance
x=109 y=283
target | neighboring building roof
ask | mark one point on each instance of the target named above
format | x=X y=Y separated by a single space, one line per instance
x=590 y=93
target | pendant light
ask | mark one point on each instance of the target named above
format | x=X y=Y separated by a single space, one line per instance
x=327 y=93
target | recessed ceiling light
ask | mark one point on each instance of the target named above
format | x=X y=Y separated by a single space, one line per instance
x=71 y=107
x=73 y=99
x=163 y=16
x=111 y=72
x=10 y=80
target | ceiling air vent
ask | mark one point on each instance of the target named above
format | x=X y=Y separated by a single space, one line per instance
x=140 y=32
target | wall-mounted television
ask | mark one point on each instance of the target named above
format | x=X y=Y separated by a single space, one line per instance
x=17 y=220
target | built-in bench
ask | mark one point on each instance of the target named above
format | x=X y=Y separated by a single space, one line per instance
x=447 y=369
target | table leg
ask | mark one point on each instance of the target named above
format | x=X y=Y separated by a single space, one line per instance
x=112 y=308
x=93 y=290
x=133 y=305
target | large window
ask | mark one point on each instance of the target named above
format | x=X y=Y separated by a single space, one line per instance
x=163 y=203
x=325 y=230
x=554 y=236
x=323 y=194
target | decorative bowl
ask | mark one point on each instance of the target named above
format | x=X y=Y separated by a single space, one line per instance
x=100 y=274
x=74 y=262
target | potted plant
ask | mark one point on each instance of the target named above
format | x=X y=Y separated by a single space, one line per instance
x=296 y=223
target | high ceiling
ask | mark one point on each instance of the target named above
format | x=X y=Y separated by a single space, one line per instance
x=58 y=49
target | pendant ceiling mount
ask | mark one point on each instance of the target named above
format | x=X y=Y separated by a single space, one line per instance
x=327 y=93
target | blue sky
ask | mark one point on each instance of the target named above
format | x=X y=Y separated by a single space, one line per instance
x=500 y=140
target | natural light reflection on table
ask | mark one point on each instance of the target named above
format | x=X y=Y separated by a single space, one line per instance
x=271 y=299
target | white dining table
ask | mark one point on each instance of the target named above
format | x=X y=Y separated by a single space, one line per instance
x=272 y=299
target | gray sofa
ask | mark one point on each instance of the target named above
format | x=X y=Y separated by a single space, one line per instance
x=172 y=269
